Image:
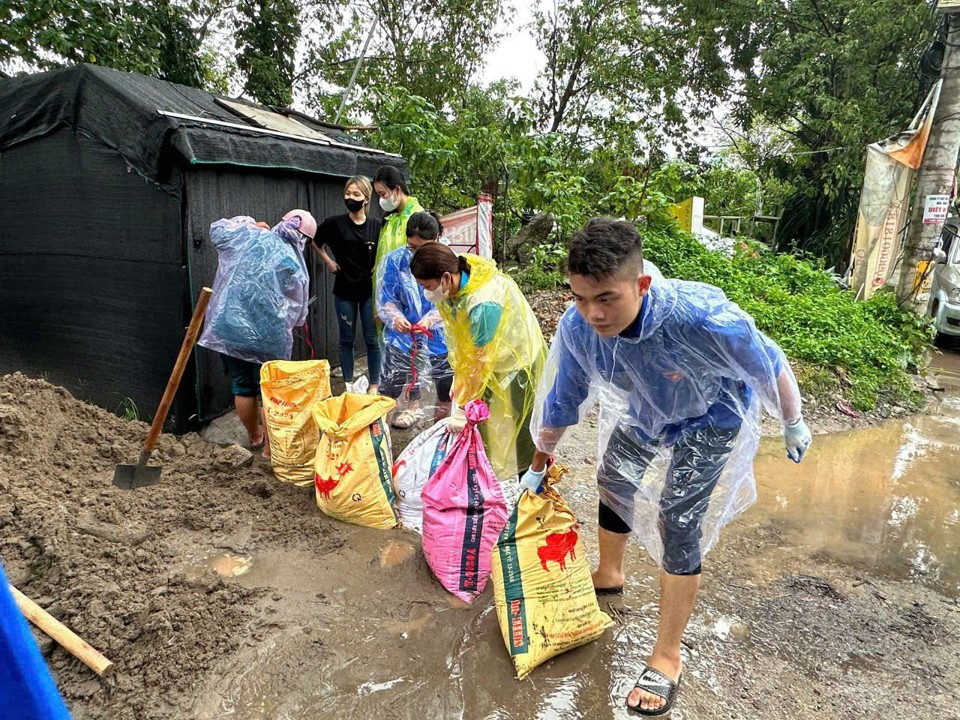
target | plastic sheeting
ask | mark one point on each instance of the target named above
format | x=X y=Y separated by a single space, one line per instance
x=27 y=690
x=393 y=234
x=418 y=461
x=680 y=396
x=260 y=292
x=120 y=110
x=398 y=295
x=497 y=353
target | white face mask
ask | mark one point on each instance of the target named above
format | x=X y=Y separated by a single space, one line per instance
x=438 y=295
x=388 y=204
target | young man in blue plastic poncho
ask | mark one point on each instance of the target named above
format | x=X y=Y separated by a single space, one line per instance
x=680 y=373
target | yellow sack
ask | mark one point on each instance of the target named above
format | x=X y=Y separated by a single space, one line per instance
x=289 y=390
x=353 y=465
x=545 y=599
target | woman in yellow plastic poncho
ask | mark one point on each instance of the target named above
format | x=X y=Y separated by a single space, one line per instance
x=396 y=202
x=495 y=347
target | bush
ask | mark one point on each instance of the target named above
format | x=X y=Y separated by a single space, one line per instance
x=545 y=270
x=864 y=349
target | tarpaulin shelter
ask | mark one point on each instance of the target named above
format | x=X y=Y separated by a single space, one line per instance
x=108 y=184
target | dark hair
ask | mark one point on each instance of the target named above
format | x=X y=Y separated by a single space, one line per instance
x=391 y=177
x=425 y=225
x=432 y=260
x=605 y=247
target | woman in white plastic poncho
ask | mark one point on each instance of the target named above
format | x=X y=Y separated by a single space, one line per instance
x=680 y=373
x=495 y=347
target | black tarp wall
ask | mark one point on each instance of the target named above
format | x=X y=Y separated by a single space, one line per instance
x=92 y=284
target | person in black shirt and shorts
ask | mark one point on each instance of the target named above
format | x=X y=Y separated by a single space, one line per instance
x=352 y=238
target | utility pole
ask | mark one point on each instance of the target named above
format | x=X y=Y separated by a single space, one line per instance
x=937 y=172
x=356 y=68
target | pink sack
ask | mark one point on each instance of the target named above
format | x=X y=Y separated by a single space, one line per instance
x=463 y=512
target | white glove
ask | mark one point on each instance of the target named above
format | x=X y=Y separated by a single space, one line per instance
x=457 y=421
x=532 y=480
x=797 y=438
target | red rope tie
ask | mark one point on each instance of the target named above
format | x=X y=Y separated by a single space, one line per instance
x=414 y=331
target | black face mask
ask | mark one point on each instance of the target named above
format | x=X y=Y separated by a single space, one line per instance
x=353 y=205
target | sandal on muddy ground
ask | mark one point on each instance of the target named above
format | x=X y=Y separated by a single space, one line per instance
x=656 y=683
x=406 y=419
x=608 y=591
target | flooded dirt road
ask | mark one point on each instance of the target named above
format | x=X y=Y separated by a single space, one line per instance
x=221 y=593
x=834 y=596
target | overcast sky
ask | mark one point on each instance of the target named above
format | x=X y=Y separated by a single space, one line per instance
x=516 y=56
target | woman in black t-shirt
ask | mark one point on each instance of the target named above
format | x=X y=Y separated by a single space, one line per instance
x=352 y=238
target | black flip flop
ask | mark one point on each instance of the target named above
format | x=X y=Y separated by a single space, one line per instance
x=656 y=683
x=617 y=590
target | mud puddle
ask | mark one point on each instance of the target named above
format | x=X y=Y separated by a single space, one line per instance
x=884 y=500
x=834 y=596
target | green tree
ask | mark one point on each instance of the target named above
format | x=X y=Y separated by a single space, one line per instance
x=161 y=38
x=433 y=50
x=832 y=75
x=267 y=36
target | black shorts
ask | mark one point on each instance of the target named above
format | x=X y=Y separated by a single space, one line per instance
x=244 y=376
x=698 y=461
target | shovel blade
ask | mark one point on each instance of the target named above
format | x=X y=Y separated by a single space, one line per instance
x=129 y=477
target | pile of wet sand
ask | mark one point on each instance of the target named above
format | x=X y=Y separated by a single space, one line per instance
x=110 y=563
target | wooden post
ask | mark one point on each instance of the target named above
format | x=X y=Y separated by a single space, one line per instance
x=64 y=636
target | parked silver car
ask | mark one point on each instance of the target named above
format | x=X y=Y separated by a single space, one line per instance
x=944 y=305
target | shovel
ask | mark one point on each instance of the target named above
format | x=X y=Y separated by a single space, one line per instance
x=129 y=477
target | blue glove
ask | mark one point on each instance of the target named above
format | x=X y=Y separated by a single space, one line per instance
x=797 y=438
x=532 y=480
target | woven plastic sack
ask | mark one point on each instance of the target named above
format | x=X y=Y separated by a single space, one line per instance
x=463 y=512
x=419 y=460
x=289 y=390
x=353 y=464
x=542 y=587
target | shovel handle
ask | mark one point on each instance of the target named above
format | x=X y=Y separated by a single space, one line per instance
x=188 y=340
x=63 y=635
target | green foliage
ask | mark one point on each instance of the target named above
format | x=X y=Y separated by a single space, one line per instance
x=267 y=35
x=545 y=270
x=128 y=410
x=829 y=75
x=868 y=347
x=432 y=50
x=160 y=38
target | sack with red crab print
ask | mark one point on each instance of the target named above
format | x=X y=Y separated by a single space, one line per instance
x=353 y=464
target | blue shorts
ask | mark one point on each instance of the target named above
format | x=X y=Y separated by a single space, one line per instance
x=244 y=376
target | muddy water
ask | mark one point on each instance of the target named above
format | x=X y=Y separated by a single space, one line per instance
x=364 y=630
x=885 y=499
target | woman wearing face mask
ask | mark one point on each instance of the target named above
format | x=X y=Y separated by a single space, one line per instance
x=405 y=312
x=353 y=238
x=495 y=346
x=398 y=206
